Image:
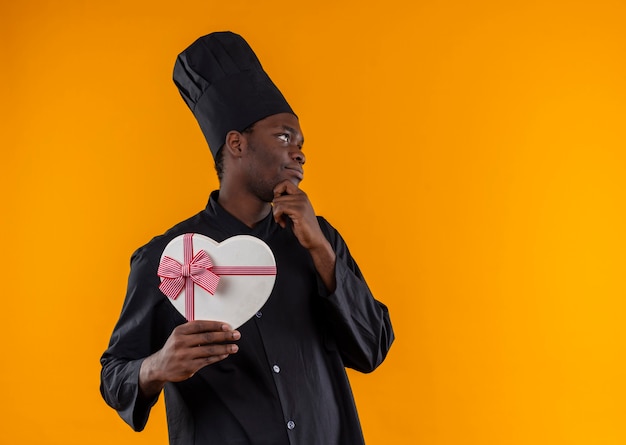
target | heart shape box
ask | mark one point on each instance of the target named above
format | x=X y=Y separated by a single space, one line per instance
x=237 y=297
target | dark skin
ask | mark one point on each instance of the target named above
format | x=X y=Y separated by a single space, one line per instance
x=262 y=173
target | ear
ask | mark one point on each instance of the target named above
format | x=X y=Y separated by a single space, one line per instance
x=235 y=143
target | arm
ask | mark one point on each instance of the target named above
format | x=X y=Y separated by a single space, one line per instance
x=151 y=345
x=292 y=204
x=358 y=324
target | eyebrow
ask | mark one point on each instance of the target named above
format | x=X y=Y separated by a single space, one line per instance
x=294 y=132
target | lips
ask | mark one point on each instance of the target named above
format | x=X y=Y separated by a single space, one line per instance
x=297 y=171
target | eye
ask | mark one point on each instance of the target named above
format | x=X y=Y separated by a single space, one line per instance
x=285 y=137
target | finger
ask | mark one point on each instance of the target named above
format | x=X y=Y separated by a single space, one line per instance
x=285 y=187
x=280 y=189
x=201 y=362
x=288 y=203
x=203 y=352
x=279 y=214
x=197 y=326
x=209 y=338
x=293 y=206
x=212 y=359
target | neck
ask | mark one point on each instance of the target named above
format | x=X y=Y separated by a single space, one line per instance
x=245 y=207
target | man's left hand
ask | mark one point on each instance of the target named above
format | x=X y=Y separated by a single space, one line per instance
x=291 y=203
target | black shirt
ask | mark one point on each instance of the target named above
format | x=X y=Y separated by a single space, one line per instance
x=287 y=384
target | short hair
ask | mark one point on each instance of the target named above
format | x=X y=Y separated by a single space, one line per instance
x=219 y=156
x=219 y=163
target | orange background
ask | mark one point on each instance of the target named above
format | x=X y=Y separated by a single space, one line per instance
x=471 y=153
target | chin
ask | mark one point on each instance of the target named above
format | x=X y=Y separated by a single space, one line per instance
x=295 y=181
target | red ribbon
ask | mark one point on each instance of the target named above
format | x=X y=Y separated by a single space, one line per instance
x=195 y=269
x=198 y=269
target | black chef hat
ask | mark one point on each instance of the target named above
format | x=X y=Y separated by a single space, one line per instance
x=224 y=85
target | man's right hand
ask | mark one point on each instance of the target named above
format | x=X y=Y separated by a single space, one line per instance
x=190 y=346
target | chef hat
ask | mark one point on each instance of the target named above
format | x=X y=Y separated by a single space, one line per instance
x=224 y=85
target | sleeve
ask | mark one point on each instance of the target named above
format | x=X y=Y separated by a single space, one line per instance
x=142 y=329
x=359 y=324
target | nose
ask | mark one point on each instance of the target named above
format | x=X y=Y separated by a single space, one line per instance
x=297 y=155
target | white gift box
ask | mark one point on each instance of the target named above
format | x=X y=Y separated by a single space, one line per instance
x=228 y=281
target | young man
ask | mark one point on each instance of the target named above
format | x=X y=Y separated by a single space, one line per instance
x=280 y=378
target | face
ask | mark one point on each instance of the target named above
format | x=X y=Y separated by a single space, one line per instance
x=274 y=154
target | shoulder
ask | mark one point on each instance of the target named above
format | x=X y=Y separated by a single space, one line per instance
x=326 y=226
x=150 y=253
x=330 y=232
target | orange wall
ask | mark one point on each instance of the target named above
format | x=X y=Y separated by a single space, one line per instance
x=471 y=153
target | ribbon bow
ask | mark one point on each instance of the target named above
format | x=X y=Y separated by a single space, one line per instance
x=175 y=274
x=195 y=269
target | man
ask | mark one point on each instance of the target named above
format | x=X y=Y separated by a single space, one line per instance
x=280 y=378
